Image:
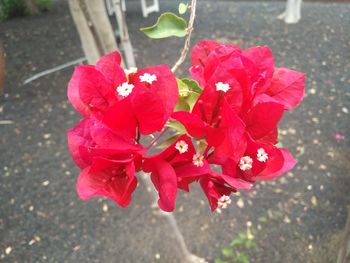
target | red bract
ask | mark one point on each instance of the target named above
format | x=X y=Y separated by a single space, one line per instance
x=141 y=99
x=107 y=160
x=260 y=161
x=286 y=87
x=176 y=167
x=212 y=119
x=253 y=69
x=111 y=178
x=234 y=122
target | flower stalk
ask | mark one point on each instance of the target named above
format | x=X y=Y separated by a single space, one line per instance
x=187 y=256
x=188 y=37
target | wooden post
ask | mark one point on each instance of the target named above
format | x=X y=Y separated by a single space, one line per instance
x=292 y=14
x=31 y=7
x=95 y=31
x=125 y=42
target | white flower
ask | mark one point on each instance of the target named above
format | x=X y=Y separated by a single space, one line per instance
x=222 y=86
x=149 y=78
x=245 y=163
x=125 y=89
x=224 y=201
x=198 y=159
x=262 y=155
x=181 y=146
x=131 y=70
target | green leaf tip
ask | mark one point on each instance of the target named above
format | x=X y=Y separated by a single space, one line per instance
x=182 y=8
x=167 y=25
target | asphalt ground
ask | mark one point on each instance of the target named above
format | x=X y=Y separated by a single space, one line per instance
x=297 y=218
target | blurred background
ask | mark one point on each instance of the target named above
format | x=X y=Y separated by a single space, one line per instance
x=300 y=217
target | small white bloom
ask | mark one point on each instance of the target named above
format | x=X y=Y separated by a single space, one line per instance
x=224 y=201
x=262 y=155
x=222 y=86
x=198 y=159
x=131 y=70
x=149 y=78
x=125 y=89
x=181 y=146
x=245 y=163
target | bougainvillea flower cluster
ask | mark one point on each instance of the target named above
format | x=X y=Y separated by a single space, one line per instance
x=224 y=139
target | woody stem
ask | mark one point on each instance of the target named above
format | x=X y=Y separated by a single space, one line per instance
x=188 y=257
x=157 y=138
x=188 y=38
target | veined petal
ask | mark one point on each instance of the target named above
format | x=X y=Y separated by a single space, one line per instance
x=263 y=119
x=165 y=181
x=105 y=182
x=89 y=91
x=287 y=87
x=120 y=118
x=162 y=86
x=192 y=122
x=263 y=60
x=214 y=191
x=288 y=163
x=79 y=136
x=149 y=111
x=109 y=66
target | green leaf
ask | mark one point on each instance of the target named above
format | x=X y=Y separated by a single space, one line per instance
x=176 y=126
x=169 y=141
x=279 y=144
x=201 y=144
x=250 y=244
x=167 y=25
x=243 y=235
x=227 y=252
x=219 y=260
x=237 y=242
x=182 y=8
x=262 y=219
x=183 y=88
x=243 y=257
x=189 y=92
x=182 y=105
x=192 y=99
x=192 y=85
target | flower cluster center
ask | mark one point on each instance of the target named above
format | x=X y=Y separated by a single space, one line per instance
x=181 y=146
x=245 y=163
x=149 y=78
x=125 y=89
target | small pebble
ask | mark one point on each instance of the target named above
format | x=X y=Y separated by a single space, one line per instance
x=8 y=250
x=240 y=203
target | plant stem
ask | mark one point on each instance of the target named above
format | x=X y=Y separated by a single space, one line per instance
x=157 y=138
x=187 y=256
x=188 y=38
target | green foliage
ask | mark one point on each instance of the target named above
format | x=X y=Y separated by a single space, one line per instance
x=167 y=25
x=192 y=85
x=182 y=8
x=177 y=126
x=189 y=91
x=238 y=250
x=169 y=141
x=13 y=8
x=43 y=4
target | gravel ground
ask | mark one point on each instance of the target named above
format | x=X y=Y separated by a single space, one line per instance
x=297 y=218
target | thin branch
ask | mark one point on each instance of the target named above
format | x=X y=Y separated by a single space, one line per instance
x=49 y=71
x=157 y=138
x=188 y=38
